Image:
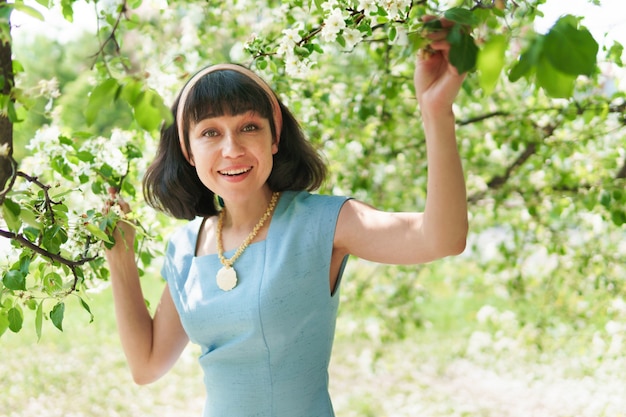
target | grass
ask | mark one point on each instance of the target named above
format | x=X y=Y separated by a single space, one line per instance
x=82 y=371
x=452 y=367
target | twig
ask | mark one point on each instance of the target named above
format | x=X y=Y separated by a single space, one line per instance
x=43 y=252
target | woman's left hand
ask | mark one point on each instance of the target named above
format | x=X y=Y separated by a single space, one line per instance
x=436 y=80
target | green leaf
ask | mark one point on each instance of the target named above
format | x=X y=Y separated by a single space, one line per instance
x=571 y=50
x=53 y=238
x=14 y=280
x=56 y=315
x=341 y=41
x=39 y=320
x=11 y=212
x=148 y=107
x=528 y=60
x=30 y=218
x=461 y=16
x=85 y=156
x=433 y=25
x=490 y=62
x=99 y=234
x=4 y=323
x=129 y=188
x=302 y=51
x=101 y=97
x=393 y=33
x=605 y=199
x=147 y=111
x=463 y=50
x=24 y=263
x=261 y=63
x=66 y=8
x=554 y=82
x=318 y=5
x=28 y=10
x=86 y=307
x=618 y=217
x=16 y=319
x=53 y=281
x=132 y=151
x=615 y=53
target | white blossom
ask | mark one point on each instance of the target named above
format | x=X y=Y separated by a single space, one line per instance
x=333 y=24
x=393 y=7
x=291 y=35
x=486 y=314
x=296 y=67
x=49 y=88
x=330 y=5
x=352 y=37
x=253 y=36
x=237 y=52
x=285 y=49
x=369 y=7
x=109 y=7
x=402 y=38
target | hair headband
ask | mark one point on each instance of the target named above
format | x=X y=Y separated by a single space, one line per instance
x=278 y=116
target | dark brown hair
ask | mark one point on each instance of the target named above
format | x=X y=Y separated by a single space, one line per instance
x=171 y=183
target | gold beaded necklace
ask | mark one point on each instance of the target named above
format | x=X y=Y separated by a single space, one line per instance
x=227 y=276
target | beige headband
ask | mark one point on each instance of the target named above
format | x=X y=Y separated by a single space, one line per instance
x=278 y=116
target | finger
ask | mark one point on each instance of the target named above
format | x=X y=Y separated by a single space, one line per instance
x=124 y=206
x=436 y=22
x=440 y=45
x=112 y=192
x=446 y=23
x=437 y=36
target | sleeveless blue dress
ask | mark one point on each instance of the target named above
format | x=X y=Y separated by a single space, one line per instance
x=266 y=344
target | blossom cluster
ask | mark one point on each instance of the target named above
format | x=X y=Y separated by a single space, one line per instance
x=340 y=27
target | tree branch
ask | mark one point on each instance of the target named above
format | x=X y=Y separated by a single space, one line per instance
x=111 y=37
x=499 y=180
x=48 y=202
x=43 y=252
x=7 y=80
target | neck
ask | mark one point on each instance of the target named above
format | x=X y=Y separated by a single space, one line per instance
x=243 y=215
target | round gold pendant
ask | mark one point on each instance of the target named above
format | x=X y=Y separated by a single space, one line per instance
x=226 y=278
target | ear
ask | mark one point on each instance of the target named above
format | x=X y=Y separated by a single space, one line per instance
x=275 y=146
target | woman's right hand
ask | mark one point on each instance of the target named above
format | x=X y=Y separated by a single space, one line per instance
x=124 y=233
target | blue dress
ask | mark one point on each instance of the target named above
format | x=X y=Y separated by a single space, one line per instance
x=266 y=344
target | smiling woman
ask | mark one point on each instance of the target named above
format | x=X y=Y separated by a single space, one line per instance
x=253 y=277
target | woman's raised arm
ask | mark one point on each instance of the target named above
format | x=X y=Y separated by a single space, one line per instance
x=441 y=229
x=151 y=344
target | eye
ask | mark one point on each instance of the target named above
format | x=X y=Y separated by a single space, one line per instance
x=210 y=133
x=251 y=127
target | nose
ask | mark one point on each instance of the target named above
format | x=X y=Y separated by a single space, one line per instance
x=231 y=145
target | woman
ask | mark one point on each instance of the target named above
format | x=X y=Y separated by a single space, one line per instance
x=253 y=279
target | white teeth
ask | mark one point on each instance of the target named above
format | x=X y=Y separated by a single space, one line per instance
x=235 y=171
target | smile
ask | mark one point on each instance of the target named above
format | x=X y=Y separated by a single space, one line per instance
x=234 y=172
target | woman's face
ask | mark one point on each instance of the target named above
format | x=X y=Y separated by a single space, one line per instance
x=233 y=154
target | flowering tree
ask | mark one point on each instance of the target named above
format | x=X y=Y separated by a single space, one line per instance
x=539 y=130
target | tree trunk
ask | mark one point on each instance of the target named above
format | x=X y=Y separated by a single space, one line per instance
x=6 y=126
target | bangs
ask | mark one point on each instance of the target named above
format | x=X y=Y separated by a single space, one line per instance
x=226 y=93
